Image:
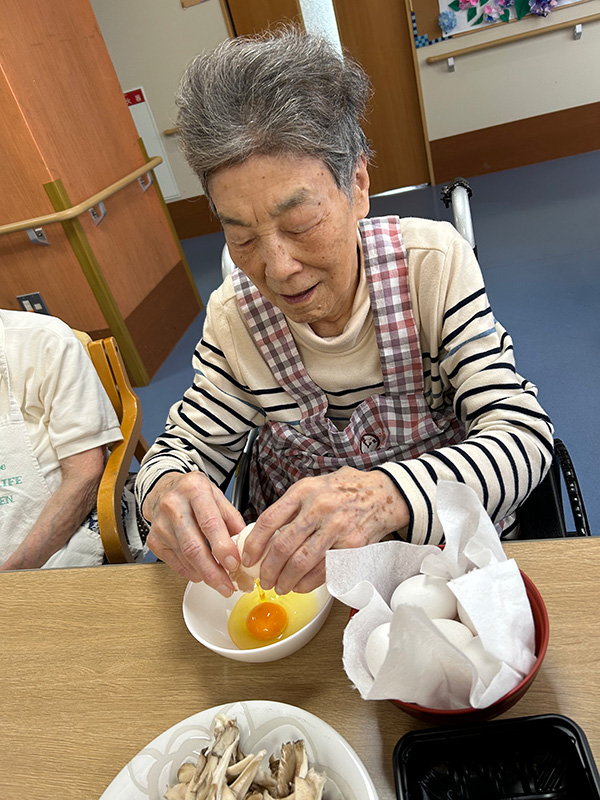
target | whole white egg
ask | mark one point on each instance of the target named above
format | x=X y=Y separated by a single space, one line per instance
x=456 y=633
x=377 y=647
x=486 y=666
x=465 y=618
x=427 y=592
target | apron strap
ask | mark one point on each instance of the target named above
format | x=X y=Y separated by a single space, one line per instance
x=386 y=271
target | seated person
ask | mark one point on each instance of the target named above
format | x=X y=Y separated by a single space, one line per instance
x=55 y=424
x=365 y=350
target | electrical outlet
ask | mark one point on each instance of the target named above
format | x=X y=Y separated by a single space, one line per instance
x=33 y=302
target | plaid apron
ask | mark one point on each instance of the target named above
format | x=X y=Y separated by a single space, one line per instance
x=392 y=426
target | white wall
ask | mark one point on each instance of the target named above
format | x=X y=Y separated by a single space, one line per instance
x=513 y=81
x=150 y=43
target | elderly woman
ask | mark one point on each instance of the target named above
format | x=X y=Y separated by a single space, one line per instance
x=365 y=350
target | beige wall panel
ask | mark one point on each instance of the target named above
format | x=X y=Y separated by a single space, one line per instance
x=145 y=252
x=515 y=81
x=56 y=63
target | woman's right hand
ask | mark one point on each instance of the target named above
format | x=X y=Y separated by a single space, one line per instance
x=192 y=523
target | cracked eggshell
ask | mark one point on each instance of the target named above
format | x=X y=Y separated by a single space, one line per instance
x=456 y=633
x=377 y=647
x=239 y=539
x=428 y=592
x=244 y=577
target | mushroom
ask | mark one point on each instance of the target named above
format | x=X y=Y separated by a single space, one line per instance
x=186 y=772
x=301 y=766
x=176 y=792
x=265 y=781
x=242 y=783
x=286 y=769
x=223 y=772
x=239 y=765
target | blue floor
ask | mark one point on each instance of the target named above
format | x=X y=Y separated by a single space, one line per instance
x=538 y=237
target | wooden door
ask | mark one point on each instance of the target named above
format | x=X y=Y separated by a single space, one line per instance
x=378 y=34
x=253 y=16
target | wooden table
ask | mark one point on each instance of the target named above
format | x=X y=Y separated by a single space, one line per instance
x=95 y=663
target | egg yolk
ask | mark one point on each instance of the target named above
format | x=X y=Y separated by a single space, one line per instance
x=267 y=621
x=260 y=617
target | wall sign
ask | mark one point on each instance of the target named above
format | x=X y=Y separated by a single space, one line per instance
x=143 y=119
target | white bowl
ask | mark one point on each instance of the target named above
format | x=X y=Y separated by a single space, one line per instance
x=206 y=614
x=263 y=725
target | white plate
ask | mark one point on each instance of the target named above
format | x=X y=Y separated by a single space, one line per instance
x=263 y=725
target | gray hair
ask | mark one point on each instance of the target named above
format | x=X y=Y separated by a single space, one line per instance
x=279 y=93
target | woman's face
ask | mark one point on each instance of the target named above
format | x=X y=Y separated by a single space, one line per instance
x=293 y=233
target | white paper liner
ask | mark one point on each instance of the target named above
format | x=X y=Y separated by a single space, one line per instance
x=421 y=665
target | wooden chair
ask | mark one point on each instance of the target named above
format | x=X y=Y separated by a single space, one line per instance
x=109 y=365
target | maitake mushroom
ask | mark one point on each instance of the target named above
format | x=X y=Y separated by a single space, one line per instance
x=223 y=772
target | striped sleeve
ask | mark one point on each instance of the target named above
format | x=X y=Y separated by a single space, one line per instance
x=469 y=361
x=206 y=430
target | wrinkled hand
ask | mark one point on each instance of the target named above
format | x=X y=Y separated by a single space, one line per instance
x=192 y=523
x=347 y=508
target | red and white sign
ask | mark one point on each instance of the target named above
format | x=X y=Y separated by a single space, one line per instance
x=134 y=97
x=145 y=124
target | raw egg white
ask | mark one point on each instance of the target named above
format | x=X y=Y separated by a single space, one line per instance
x=262 y=617
x=430 y=593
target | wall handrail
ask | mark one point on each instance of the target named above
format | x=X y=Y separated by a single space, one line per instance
x=85 y=205
x=474 y=48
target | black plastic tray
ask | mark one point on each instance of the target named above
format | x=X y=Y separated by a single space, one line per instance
x=545 y=757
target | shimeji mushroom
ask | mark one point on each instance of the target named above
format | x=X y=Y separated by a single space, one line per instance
x=223 y=772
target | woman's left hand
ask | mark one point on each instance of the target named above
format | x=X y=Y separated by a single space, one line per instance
x=347 y=508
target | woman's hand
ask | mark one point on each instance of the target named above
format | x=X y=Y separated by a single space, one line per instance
x=192 y=523
x=348 y=508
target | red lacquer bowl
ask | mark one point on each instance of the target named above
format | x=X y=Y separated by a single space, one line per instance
x=440 y=716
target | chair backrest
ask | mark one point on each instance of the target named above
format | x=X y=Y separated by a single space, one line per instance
x=109 y=365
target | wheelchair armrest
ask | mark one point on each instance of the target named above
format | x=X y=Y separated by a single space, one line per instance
x=541 y=516
x=561 y=455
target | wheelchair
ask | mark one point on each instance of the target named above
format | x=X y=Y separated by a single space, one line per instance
x=542 y=515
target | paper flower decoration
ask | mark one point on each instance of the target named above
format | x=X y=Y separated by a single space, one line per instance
x=447 y=21
x=490 y=11
x=495 y=10
x=541 y=8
